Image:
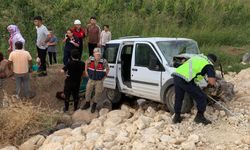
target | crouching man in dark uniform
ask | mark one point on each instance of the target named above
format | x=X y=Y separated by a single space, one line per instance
x=97 y=69
x=186 y=78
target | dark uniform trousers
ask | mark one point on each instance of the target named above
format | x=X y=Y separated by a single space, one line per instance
x=181 y=86
x=71 y=88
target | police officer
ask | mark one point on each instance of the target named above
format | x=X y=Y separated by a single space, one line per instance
x=97 y=69
x=186 y=78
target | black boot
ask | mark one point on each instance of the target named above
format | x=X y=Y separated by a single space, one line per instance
x=93 y=108
x=75 y=105
x=177 y=118
x=66 y=107
x=201 y=119
x=86 y=106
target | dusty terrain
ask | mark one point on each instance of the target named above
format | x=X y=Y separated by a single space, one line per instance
x=149 y=126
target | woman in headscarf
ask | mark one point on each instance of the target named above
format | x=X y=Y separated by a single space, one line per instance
x=15 y=36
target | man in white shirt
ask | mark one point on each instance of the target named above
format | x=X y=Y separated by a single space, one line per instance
x=104 y=37
x=42 y=39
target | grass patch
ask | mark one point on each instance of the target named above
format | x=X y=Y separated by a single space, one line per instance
x=230 y=57
x=21 y=119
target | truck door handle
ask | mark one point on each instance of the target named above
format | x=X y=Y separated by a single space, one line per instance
x=112 y=66
x=133 y=69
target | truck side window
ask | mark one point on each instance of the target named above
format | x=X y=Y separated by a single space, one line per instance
x=145 y=57
x=110 y=53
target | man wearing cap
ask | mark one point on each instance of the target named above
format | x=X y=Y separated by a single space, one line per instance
x=97 y=69
x=186 y=78
x=79 y=32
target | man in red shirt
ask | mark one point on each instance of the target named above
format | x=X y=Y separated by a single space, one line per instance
x=79 y=32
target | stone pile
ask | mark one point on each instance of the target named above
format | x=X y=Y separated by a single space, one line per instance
x=151 y=128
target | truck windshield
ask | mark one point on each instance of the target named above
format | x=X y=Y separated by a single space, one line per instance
x=172 y=48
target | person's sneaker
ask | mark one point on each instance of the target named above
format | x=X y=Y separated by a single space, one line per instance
x=93 y=108
x=86 y=106
x=177 y=118
x=201 y=119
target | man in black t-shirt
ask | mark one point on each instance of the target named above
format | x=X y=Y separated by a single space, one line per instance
x=74 y=71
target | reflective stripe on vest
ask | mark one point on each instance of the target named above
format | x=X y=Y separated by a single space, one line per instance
x=191 y=68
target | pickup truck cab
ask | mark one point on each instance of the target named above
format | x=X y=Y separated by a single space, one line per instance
x=142 y=67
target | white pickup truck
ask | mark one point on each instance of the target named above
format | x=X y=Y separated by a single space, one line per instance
x=142 y=67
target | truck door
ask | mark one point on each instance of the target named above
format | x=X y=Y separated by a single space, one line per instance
x=124 y=65
x=110 y=54
x=146 y=72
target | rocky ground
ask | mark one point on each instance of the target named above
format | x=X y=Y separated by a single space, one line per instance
x=150 y=127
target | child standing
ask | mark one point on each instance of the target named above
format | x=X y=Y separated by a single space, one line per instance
x=74 y=71
x=52 y=51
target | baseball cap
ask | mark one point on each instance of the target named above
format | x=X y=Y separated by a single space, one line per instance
x=97 y=50
x=77 y=22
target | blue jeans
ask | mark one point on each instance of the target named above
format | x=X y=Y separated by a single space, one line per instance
x=22 y=82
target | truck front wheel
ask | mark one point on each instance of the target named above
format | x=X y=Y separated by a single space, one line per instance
x=113 y=95
x=169 y=101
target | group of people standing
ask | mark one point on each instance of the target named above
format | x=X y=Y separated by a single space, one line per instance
x=74 y=38
x=95 y=68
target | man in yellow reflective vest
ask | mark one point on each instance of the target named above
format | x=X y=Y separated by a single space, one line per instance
x=186 y=78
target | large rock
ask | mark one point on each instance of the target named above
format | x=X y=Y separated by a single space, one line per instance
x=137 y=145
x=63 y=132
x=246 y=140
x=74 y=139
x=73 y=146
x=103 y=111
x=188 y=145
x=193 y=138
x=150 y=112
x=51 y=146
x=83 y=116
x=122 y=137
x=118 y=113
x=112 y=122
x=143 y=122
x=154 y=135
x=33 y=143
x=166 y=138
x=115 y=117
x=92 y=136
x=9 y=148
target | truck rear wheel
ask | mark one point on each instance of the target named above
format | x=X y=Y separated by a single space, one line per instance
x=170 y=100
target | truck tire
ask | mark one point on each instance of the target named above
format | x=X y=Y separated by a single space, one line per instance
x=170 y=100
x=113 y=95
